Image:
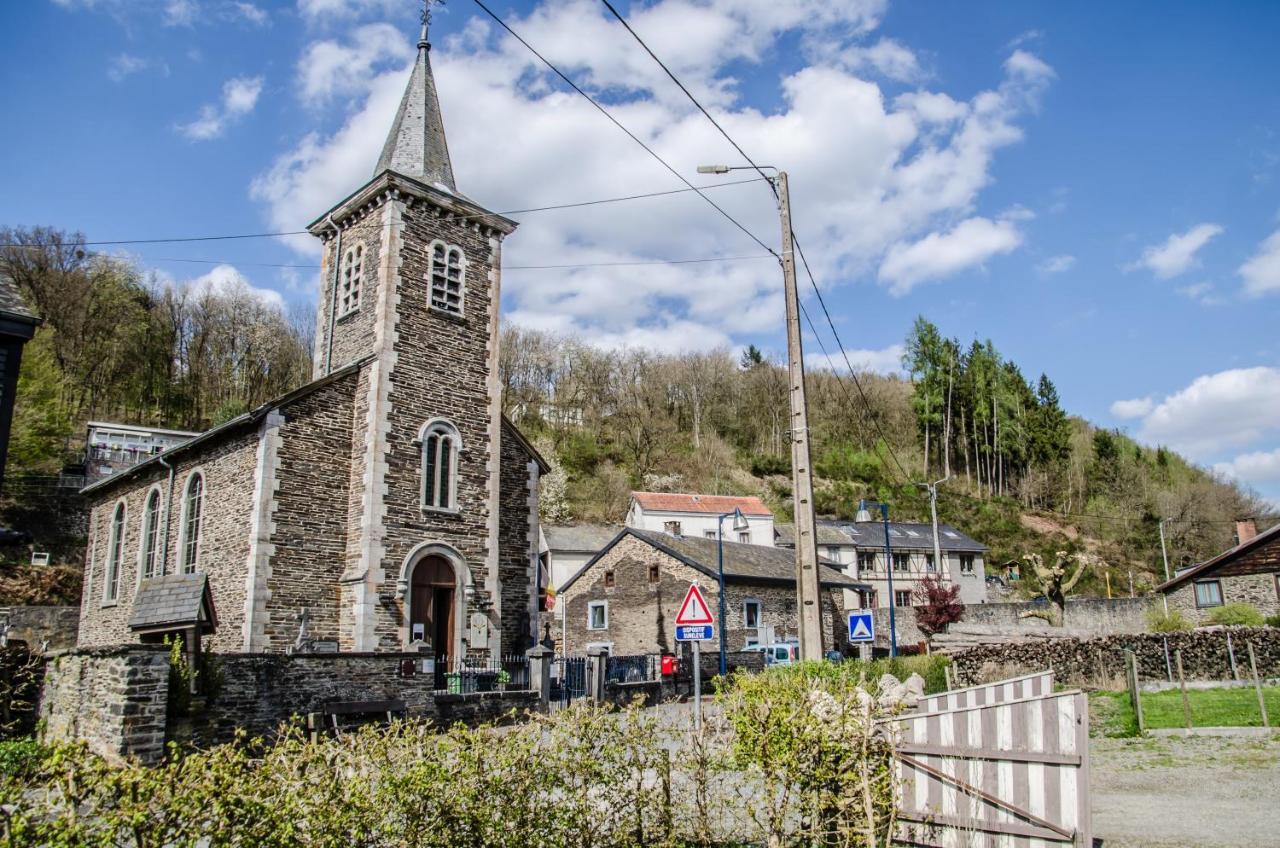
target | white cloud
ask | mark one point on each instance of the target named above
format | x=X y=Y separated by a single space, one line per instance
x=126 y=65
x=890 y=172
x=887 y=360
x=1261 y=273
x=1202 y=293
x=969 y=244
x=1057 y=264
x=227 y=280
x=886 y=57
x=239 y=96
x=1229 y=409
x=180 y=12
x=1177 y=254
x=1256 y=468
x=328 y=68
x=1136 y=408
x=251 y=13
x=1028 y=66
x=318 y=10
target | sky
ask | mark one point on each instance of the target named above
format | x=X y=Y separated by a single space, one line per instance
x=1096 y=188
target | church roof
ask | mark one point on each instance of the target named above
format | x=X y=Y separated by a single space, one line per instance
x=416 y=146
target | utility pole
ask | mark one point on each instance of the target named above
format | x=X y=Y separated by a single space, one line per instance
x=807 y=589
x=1164 y=554
x=933 y=509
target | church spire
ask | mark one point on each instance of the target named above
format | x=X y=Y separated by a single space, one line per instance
x=416 y=146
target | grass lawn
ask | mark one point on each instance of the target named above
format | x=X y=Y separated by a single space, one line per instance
x=1209 y=708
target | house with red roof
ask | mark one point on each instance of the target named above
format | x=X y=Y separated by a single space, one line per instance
x=698 y=516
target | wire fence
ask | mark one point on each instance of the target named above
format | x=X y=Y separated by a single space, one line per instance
x=464 y=675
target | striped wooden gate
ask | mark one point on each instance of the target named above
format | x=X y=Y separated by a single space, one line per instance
x=996 y=770
x=1026 y=686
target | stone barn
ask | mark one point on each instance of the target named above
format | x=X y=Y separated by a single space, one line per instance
x=627 y=597
x=1249 y=573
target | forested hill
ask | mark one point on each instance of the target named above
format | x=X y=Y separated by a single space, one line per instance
x=1026 y=475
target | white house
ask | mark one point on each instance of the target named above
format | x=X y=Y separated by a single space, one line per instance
x=697 y=516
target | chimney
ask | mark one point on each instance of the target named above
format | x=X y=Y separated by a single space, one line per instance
x=1245 y=530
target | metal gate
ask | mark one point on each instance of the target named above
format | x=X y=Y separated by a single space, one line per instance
x=1002 y=767
x=568 y=681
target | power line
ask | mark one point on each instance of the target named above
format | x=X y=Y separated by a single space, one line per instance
x=620 y=126
x=574 y=205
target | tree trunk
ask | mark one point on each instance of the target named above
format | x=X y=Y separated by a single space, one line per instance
x=946 y=435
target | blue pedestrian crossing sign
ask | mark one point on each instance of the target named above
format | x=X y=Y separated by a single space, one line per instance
x=694 y=632
x=862 y=626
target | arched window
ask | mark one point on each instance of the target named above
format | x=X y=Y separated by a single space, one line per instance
x=440 y=444
x=150 y=551
x=448 y=272
x=115 y=551
x=192 y=510
x=350 y=280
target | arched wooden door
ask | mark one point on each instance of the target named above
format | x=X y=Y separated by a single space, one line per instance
x=431 y=604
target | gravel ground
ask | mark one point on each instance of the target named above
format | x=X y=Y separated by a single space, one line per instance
x=1186 y=791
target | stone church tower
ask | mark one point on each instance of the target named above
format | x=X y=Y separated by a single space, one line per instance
x=388 y=504
x=411 y=278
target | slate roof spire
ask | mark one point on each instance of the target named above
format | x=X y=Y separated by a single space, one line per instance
x=416 y=146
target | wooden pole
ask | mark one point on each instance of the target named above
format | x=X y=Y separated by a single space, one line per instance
x=1231 y=655
x=946 y=673
x=1107 y=574
x=1257 y=685
x=1135 y=693
x=1182 y=683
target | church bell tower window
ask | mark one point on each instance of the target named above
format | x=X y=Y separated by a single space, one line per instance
x=448 y=273
x=440 y=443
x=349 y=282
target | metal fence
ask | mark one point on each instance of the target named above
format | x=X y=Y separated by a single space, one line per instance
x=1004 y=772
x=568 y=681
x=636 y=668
x=464 y=675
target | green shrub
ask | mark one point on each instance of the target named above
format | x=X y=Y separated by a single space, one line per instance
x=1244 y=615
x=21 y=759
x=1273 y=620
x=1167 y=621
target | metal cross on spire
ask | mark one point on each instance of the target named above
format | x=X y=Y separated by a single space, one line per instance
x=426 y=17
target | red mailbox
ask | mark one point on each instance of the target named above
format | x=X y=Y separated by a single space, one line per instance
x=668 y=665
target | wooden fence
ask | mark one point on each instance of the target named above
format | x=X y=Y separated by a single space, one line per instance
x=1008 y=771
x=1026 y=686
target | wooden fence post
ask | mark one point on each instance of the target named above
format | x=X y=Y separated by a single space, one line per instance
x=1257 y=685
x=1231 y=655
x=1135 y=693
x=946 y=673
x=1182 y=683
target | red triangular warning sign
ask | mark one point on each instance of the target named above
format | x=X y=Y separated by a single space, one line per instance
x=694 y=609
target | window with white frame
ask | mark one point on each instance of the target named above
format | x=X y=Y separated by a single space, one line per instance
x=866 y=561
x=901 y=561
x=744 y=536
x=149 y=549
x=192 y=516
x=708 y=534
x=751 y=610
x=350 y=280
x=448 y=273
x=115 y=550
x=966 y=563
x=929 y=564
x=833 y=554
x=902 y=597
x=598 y=615
x=440 y=445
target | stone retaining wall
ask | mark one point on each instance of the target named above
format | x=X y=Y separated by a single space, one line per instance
x=1206 y=655
x=37 y=625
x=1099 y=616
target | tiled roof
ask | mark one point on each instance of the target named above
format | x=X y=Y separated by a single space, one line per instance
x=11 y=302
x=174 y=600
x=713 y=504
x=828 y=534
x=579 y=537
x=870 y=534
x=743 y=563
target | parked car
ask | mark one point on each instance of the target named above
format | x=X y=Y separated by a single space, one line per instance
x=778 y=653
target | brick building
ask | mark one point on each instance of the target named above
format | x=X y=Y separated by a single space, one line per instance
x=1249 y=573
x=387 y=503
x=627 y=597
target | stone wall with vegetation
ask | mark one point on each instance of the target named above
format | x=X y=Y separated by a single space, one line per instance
x=1098 y=616
x=1261 y=591
x=54 y=627
x=1206 y=655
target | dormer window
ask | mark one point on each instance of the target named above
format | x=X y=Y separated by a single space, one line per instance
x=350 y=280
x=448 y=274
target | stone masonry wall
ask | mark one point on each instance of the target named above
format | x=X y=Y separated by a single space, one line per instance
x=515 y=551
x=1258 y=590
x=309 y=522
x=36 y=625
x=1099 y=616
x=642 y=614
x=1205 y=655
x=229 y=467
x=115 y=699
x=352 y=333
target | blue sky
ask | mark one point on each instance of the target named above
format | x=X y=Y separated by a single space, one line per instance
x=1096 y=189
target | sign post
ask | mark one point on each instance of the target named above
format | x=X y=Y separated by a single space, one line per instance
x=694 y=624
x=862 y=626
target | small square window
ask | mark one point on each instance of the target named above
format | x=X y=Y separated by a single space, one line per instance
x=833 y=554
x=1208 y=593
x=653 y=574
x=966 y=563
x=598 y=615
x=929 y=564
x=744 y=537
x=608 y=579
x=866 y=561
x=671 y=528
x=901 y=562
x=902 y=598
x=708 y=534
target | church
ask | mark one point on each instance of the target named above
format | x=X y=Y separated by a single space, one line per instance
x=387 y=504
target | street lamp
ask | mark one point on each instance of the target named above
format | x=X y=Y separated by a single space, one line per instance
x=864 y=515
x=739 y=524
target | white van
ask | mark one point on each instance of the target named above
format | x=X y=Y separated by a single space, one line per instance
x=778 y=653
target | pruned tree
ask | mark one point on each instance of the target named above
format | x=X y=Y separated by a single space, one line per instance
x=937 y=605
x=1054 y=582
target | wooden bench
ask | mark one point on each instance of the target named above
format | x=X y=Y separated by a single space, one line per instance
x=331 y=715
